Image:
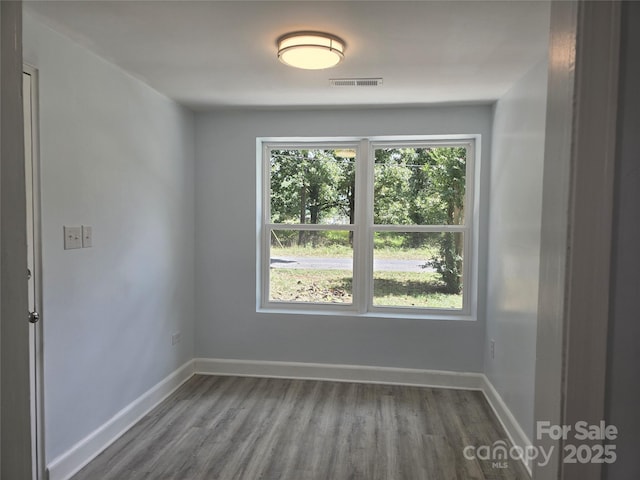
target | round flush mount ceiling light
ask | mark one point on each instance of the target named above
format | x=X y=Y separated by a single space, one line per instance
x=310 y=50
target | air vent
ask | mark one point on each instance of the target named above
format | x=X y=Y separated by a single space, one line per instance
x=356 y=82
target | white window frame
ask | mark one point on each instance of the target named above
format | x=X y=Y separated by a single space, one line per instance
x=364 y=228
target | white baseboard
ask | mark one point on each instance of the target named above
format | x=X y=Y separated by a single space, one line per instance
x=509 y=423
x=70 y=462
x=339 y=373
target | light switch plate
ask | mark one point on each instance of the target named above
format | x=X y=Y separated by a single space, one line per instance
x=87 y=236
x=72 y=237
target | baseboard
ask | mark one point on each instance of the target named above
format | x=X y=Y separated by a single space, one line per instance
x=339 y=373
x=70 y=462
x=509 y=423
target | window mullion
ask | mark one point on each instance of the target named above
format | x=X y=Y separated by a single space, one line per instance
x=364 y=212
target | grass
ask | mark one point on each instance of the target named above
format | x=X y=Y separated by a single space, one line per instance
x=387 y=245
x=403 y=289
x=333 y=251
x=411 y=289
x=306 y=285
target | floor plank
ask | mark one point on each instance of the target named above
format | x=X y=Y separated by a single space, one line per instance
x=231 y=428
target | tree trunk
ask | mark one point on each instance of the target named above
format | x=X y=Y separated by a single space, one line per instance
x=302 y=240
x=314 y=211
x=450 y=246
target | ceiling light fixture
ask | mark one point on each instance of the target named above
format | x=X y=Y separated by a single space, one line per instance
x=310 y=50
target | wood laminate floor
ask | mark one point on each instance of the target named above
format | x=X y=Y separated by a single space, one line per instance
x=274 y=429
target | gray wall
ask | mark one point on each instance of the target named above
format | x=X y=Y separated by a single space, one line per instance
x=15 y=446
x=517 y=159
x=623 y=372
x=116 y=155
x=227 y=323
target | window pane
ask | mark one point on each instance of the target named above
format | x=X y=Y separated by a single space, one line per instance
x=313 y=186
x=311 y=266
x=419 y=186
x=422 y=270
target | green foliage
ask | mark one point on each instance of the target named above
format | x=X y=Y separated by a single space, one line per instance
x=424 y=186
x=325 y=241
x=419 y=186
x=448 y=262
x=311 y=186
x=412 y=186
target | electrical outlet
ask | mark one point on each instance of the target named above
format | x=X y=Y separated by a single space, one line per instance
x=175 y=338
x=492 y=349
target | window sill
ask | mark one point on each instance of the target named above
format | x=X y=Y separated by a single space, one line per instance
x=436 y=316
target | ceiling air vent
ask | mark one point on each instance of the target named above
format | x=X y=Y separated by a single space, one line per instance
x=356 y=82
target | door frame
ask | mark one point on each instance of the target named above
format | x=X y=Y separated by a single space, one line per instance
x=15 y=418
x=36 y=330
x=577 y=213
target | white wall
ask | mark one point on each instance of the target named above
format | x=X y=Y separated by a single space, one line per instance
x=227 y=323
x=116 y=155
x=514 y=242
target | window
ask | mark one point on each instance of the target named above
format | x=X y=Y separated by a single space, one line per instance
x=374 y=226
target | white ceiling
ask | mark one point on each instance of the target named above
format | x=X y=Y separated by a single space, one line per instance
x=222 y=53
